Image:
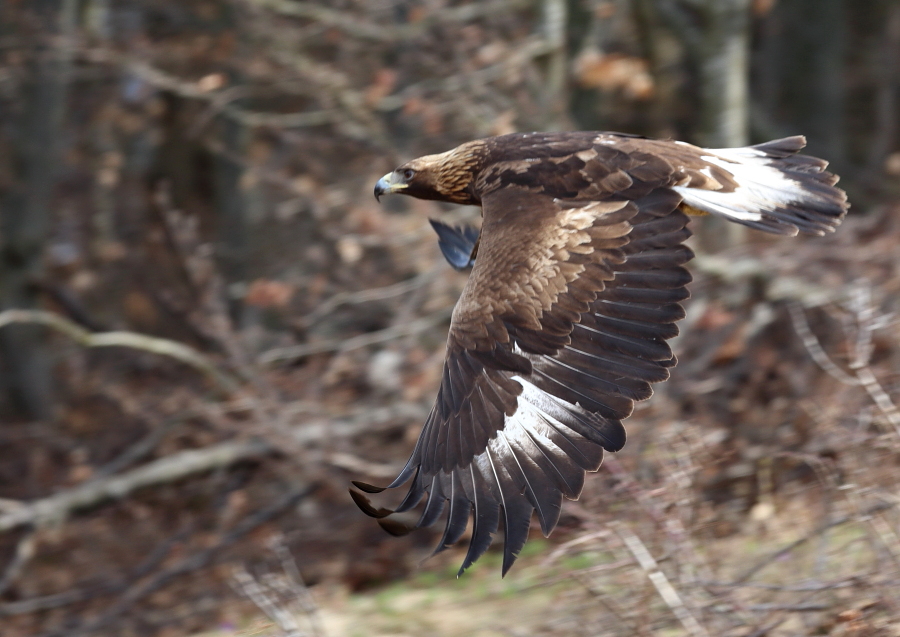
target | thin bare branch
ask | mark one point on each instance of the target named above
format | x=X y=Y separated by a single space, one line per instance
x=665 y=589
x=194 y=561
x=192 y=90
x=133 y=340
x=276 y=594
x=259 y=594
x=364 y=30
x=867 y=321
x=363 y=296
x=864 y=317
x=284 y=354
x=525 y=52
x=167 y=469
x=814 y=347
x=790 y=608
x=880 y=397
x=789 y=548
x=813 y=586
x=778 y=288
x=298 y=585
x=24 y=553
x=140 y=448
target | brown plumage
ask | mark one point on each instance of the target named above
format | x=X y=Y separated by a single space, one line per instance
x=563 y=323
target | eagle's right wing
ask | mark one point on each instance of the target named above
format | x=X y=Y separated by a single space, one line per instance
x=558 y=331
x=563 y=323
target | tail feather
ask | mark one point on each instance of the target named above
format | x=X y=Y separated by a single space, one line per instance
x=776 y=190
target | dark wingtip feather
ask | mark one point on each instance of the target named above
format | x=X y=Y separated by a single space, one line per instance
x=482 y=538
x=783 y=147
x=457 y=517
x=396 y=527
x=366 y=506
x=516 y=524
x=486 y=517
x=367 y=488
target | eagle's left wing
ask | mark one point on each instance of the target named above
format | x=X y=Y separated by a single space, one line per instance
x=458 y=244
x=560 y=328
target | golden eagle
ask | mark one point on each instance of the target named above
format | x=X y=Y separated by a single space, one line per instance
x=577 y=282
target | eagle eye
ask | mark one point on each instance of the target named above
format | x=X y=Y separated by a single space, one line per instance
x=408 y=173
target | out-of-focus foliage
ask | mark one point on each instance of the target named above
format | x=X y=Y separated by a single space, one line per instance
x=199 y=173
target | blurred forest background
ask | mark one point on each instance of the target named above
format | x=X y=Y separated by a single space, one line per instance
x=208 y=326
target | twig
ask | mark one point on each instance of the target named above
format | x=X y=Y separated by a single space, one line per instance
x=367 y=30
x=733 y=270
x=879 y=396
x=133 y=340
x=786 y=550
x=139 y=449
x=847 y=583
x=762 y=631
x=283 y=354
x=665 y=589
x=864 y=314
x=363 y=296
x=191 y=90
x=49 y=602
x=580 y=574
x=367 y=419
x=72 y=596
x=606 y=601
x=468 y=81
x=168 y=469
x=260 y=595
x=863 y=309
x=791 y=608
x=24 y=552
x=814 y=347
x=193 y=562
x=265 y=592
x=671 y=524
x=289 y=564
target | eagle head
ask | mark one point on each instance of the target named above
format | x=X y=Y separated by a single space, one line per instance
x=447 y=176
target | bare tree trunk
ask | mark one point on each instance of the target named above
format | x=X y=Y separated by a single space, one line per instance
x=826 y=46
x=230 y=201
x=888 y=95
x=802 y=48
x=724 y=75
x=555 y=99
x=722 y=58
x=97 y=25
x=715 y=35
x=26 y=216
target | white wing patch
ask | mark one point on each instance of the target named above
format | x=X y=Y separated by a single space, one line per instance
x=531 y=429
x=761 y=186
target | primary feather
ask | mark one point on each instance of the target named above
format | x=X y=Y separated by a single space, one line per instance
x=576 y=287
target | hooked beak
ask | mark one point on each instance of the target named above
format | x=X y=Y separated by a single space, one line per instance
x=388 y=185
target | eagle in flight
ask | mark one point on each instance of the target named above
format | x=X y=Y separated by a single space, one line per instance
x=576 y=283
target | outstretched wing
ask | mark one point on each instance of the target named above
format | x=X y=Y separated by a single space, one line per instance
x=552 y=341
x=563 y=323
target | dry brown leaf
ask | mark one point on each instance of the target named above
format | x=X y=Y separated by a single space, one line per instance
x=267 y=293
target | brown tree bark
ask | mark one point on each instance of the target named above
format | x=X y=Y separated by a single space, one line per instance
x=715 y=35
x=25 y=215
